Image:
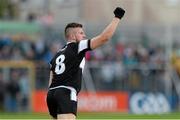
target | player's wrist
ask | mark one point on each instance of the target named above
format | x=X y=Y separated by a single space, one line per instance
x=119 y=12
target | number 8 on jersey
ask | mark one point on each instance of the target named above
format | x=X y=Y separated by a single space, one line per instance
x=60 y=66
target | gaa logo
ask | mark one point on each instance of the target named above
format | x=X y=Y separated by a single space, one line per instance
x=150 y=103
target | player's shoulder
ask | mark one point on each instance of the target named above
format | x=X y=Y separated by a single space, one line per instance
x=85 y=41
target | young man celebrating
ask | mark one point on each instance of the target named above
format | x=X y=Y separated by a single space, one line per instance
x=67 y=65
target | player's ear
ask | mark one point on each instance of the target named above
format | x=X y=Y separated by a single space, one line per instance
x=73 y=36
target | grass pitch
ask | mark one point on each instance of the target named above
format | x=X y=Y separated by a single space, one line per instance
x=93 y=115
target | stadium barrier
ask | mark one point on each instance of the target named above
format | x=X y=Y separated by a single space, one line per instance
x=136 y=103
x=88 y=102
x=103 y=102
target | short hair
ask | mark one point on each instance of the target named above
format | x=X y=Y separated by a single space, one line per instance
x=72 y=25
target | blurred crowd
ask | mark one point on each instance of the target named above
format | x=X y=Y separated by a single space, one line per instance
x=128 y=53
x=25 y=49
x=120 y=59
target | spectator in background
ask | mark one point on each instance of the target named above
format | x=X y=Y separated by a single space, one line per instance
x=5 y=53
x=13 y=90
x=176 y=60
x=2 y=92
x=54 y=47
x=31 y=17
x=129 y=58
x=108 y=74
x=24 y=90
x=16 y=54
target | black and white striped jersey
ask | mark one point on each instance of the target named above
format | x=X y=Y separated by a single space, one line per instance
x=67 y=65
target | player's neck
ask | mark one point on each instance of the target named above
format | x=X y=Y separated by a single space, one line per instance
x=70 y=41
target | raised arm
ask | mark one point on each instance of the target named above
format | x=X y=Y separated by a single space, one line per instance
x=109 y=30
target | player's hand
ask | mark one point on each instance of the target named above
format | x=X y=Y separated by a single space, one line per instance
x=119 y=12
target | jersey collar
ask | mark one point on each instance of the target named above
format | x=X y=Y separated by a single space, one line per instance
x=71 y=41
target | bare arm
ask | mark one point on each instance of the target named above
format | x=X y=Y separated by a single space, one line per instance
x=105 y=35
x=50 y=78
x=108 y=31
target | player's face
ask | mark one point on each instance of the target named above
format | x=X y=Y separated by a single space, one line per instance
x=80 y=35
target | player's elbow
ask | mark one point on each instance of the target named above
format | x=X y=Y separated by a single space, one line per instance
x=105 y=37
